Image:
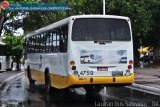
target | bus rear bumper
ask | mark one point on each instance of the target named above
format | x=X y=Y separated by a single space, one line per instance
x=73 y=80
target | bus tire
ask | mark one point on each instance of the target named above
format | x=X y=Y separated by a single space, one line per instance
x=31 y=81
x=47 y=80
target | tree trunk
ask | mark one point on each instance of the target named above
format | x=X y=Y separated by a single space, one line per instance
x=17 y=66
x=3 y=19
x=1 y=23
x=8 y=62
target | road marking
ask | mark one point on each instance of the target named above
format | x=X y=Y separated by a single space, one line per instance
x=10 y=78
x=4 y=85
x=149 y=87
x=145 y=88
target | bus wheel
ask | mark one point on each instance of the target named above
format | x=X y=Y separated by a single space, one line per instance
x=31 y=81
x=47 y=81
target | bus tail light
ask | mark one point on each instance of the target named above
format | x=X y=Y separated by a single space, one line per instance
x=72 y=63
x=131 y=62
x=129 y=66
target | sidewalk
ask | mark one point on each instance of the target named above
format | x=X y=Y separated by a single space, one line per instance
x=148 y=76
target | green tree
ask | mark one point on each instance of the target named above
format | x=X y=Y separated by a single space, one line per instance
x=36 y=20
x=3 y=19
x=8 y=21
x=140 y=14
x=153 y=36
x=14 y=48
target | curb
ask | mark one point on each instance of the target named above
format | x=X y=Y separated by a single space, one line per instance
x=3 y=85
x=147 y=89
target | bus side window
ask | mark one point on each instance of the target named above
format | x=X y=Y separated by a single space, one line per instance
x=29 y=45
x=54 y=40
x=25 y=48
x=47 y=42
x=63 y=38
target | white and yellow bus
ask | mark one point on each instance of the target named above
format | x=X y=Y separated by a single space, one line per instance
x=87 y=51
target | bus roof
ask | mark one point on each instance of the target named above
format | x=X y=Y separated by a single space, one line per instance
x=100 y=16
x=2 y=43
x=49 y=27
x=66 y=20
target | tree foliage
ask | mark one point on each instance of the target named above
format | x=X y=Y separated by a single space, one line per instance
x=36 y=20
x=14 y=47
x=153 y=36
x=9 y=21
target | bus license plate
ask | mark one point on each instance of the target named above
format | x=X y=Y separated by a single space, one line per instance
x=86 y=73
x=102 y=69
x=117 y=73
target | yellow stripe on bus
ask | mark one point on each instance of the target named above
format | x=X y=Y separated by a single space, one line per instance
x=101 y=80
x=61 y=82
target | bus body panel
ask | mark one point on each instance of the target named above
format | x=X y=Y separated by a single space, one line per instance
x=111 y=56
x=57 y=63
x=61 y=82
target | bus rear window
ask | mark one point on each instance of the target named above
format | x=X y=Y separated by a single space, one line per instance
x=99 y=29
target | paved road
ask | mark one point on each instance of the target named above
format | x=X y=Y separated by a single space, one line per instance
x=20 y=95
x=6 y=74
x=148 y=76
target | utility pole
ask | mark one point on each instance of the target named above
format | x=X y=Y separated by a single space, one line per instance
x=1 y=21
x=141 y=55
x=0 y=10
x=104 y=7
